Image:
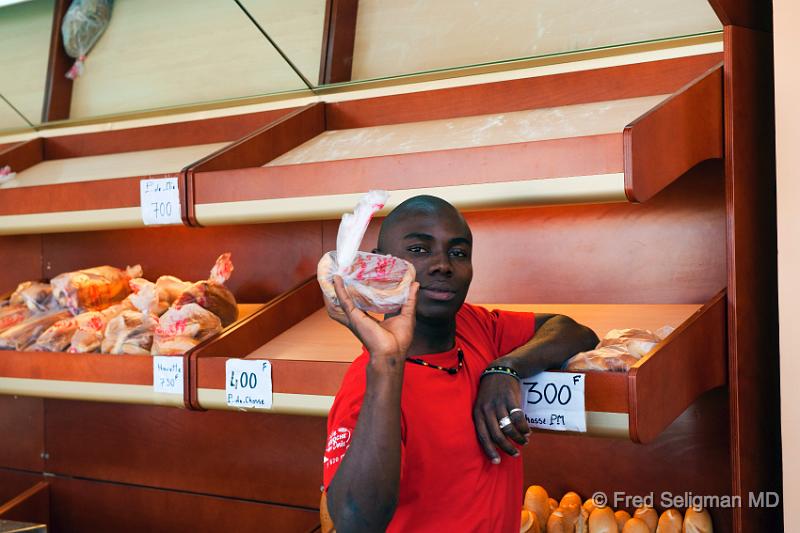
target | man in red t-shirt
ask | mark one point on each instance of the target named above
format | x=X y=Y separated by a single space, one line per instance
x=417 y=430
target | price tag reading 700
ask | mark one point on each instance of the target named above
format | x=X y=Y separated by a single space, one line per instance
x=160 y=201
x=555 y=401
x=248 y=383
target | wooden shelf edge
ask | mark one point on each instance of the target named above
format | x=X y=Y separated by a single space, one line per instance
x=667 y=141
x=23 y=155
x=31 y=505
x=690 y=362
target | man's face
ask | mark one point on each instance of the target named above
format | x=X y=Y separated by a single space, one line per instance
x=439 y=245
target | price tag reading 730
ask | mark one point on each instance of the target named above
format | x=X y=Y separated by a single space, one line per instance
x=248 y=383
x=555 y=401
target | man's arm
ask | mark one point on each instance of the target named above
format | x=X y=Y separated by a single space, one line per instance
x=363 y=493
x=556 y=338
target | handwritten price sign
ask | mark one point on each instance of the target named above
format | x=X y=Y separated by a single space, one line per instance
x=555 y=401
x=248 y=383
x=160 y=201
x=168 y=374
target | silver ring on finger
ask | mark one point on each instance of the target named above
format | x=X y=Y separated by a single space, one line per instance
x=505 y=422
x=516 y=410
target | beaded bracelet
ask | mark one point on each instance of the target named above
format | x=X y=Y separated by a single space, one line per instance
x=508 y=371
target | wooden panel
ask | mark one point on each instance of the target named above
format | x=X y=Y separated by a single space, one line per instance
x=24 y=419
x=338 y=39
x=268 y=259
x=601 y=154
x=185 y=133
x=752 y=276
x=690 y=362
x=15 y=482
x=692 y=455
x=395 y=38
x=271 y=458
x=131 y=369
x=22 y=156
x=58 y=88
x=744 y=13
x=20 y=260
x=87 y=506
x=31 y=505
x=675 y=136
x=291 y=377
x=613 y=83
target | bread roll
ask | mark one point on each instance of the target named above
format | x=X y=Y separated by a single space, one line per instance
x=536 y=502
x=571 y=498
x=649 y=516
x=571 y=512
x=602 y=520
x=552 y=504
x=697 y=521
x=622 y=518
x=670 y=521
x=526 y=521
x=582 y=524
x=635 y=525
x=557 y=523
x=589 y=505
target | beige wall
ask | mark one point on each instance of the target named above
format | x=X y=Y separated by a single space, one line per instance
x=787 y=124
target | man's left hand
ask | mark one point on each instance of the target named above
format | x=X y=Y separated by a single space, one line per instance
x=498 y=396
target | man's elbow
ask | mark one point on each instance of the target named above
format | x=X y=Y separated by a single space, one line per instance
x=582 y=337
x=347 y=515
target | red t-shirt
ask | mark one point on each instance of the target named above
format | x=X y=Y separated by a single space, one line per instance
x=447 y=483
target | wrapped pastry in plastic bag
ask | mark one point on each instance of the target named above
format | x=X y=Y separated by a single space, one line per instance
x=618 y=351
x=170 y=288
x=36 y=296
x=375 y=282
x=131 y=332
x=58 y=337
x=11 y=315
x=93 y=289
x=182 y=328
x=212 y=294
x=84 y=23
x=89 y=335
x=25 y=333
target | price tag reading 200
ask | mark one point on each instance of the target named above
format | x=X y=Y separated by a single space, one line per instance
x=248 y=383
x=555 y=401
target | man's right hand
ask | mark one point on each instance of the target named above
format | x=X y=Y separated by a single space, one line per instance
x=384 y=340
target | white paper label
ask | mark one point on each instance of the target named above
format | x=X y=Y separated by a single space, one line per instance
x=248 y=383
x=161 y=202
x=168 y=374
x=555 y=401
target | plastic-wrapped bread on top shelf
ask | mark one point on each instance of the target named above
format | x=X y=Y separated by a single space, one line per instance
x=93 y=288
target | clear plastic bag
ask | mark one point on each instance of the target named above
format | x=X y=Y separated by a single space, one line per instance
x=182 y=328
x=11 y=315
x=36 y=296
x=131 y=332
x=618 y=351
x=22 y=335
x=89 y=336
x=83 y=24
x=58 y=337
x=375 y=282
x=93 y=289
x=211 y=294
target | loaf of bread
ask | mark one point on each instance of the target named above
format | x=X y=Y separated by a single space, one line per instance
x=558 y=523
x=589 y=505
x=536 y=502
x=622 y=518
x=697 y=521
x=649 y=516
x=670 y=521
x=635 y=525
x=552 y=504
x=602 y=520
x=526 y=522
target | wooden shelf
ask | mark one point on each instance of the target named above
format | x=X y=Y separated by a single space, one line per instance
x=91 y=377
x=90 y=181
x=310 y=354
x=597 y=144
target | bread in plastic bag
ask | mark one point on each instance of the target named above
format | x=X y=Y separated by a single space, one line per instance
x=93 y=289
x=182 y=328
x=618 y=351
x=58 y=337
x=211 y=294
x=131 y=332
x=89 y=335
x=170 y=288
x=24 y=334
x=375 y=282
x=11 y=315
x=35 y=295
x=83 y=24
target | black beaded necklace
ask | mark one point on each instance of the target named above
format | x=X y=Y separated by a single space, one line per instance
x=450 y=370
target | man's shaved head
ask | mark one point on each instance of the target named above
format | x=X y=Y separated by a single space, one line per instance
x=418 y=205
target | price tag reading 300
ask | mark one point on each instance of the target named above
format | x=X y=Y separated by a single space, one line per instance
x=555 y=401
x=248 y=383
x=160 y=201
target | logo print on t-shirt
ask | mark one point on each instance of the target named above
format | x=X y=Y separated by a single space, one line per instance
x=338 y=442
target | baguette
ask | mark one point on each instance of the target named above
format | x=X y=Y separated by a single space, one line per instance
x=670 y=521
x=649 y=516
x=536 y=503
x=697 y=521
x=635 y=525
x=602 y=520
x=622 y=518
